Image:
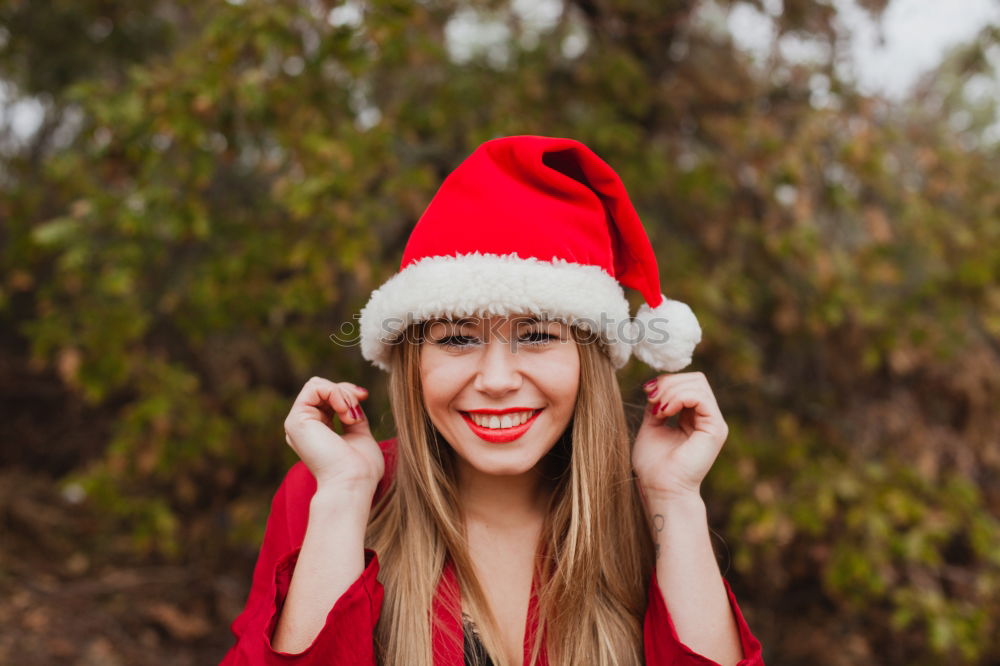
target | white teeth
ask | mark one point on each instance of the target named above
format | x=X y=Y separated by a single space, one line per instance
x=505 y=421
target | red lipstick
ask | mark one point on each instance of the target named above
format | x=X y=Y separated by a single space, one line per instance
x=500 y=435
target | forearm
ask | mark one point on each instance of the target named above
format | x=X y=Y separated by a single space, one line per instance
x=689 y=578
x=330 y=560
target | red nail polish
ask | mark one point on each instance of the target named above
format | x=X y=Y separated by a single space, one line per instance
x=649 y=383
x=653 y=395
x=361 y=413
x=354 y=412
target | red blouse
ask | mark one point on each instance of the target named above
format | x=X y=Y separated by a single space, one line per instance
x=347 y=638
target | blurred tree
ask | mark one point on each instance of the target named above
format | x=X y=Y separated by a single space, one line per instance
x=217 y=187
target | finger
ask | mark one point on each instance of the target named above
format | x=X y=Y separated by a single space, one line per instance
x=334 y=396
x=702 y=402
x=652 y=413
x=654 y=391
x=686 y=396
x=318 y=398
x=653 y=418
x=667 y=392
x=677 y=381
x=656 y=386
x=678 y=378
x=360 y=391
x=699 y=381
x=357 y=423
x=702 y=414
x=350 y=397
x=683 y=401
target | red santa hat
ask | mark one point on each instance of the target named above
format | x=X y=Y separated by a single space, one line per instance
x=539 y=225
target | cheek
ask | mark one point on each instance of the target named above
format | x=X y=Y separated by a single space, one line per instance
x=561 y=376
x=432 y=394
x=440 y=379
x=430 y=386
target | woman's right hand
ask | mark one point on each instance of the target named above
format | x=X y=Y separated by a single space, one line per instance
x=352 y=461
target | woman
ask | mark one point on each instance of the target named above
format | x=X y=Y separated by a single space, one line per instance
x=510 y=520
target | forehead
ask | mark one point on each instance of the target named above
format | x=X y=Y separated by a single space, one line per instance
x=491 y=320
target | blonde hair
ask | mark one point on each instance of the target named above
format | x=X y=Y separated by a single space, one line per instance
x=595 y=551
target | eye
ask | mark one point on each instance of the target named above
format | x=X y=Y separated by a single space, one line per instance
x=455 y=341
x=537 y=337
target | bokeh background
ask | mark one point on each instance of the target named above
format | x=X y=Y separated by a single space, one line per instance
x=195 y=196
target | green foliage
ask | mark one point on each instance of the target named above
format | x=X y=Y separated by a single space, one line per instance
x=218 y=187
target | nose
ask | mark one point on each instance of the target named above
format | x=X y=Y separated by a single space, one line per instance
x=499 y=370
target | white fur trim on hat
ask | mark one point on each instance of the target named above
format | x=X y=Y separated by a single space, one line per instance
x=666 y=335
x=490 y=284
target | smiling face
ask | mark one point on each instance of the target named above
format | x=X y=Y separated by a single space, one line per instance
x=501 y=390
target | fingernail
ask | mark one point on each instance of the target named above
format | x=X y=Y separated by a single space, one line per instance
x=661 y=408
x=649 y=384
x=354 y=412
x=653 y=395
x=361 y=413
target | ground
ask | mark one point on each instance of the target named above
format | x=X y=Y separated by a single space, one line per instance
x=66 y=597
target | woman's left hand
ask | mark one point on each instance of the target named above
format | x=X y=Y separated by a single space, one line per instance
x=671 y=461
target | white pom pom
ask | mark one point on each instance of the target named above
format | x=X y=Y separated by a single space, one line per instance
x=666 y=335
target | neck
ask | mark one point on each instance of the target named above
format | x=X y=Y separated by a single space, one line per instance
x=509 y=501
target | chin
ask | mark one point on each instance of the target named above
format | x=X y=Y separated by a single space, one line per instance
x=499 y=459
x=501 y=468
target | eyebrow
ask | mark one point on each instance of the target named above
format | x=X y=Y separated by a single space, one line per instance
x=532 y=319
x=520 y=320
x=463 y=321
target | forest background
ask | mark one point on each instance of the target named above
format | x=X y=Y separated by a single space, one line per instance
x=214 y=189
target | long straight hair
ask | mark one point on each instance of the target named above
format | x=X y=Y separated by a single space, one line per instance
x=595 y=553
